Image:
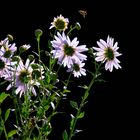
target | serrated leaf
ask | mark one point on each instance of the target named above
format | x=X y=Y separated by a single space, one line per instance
x=65 y=135
x=3 y=96
x=7 y=114
x=74 y=104
x=11 y=133
x=81 y=115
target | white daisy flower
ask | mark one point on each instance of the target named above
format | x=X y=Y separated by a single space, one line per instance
x=77 y=69
x=107 y=52
x=25 y=47
x=67 y=51
x=7 y=50
x=60 y=23
x=5 y=66
x=22 y=78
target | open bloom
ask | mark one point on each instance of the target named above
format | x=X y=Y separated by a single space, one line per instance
x=24 y=48
x=67 y=51
x=22 y=78
x=5 y=66
x=7 y=50
x=107 y=52
x=60 y=23
x=77 y=69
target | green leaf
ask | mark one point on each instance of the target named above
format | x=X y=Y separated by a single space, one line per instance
x=1 y=128
x=1 y=83
x=86 y=95
x=11 y=133
x=72 y=121
x=0 y=111
x=81 y=115
x=100 y=80
x=74 y=104
x=66 y=91
x=84 y=87
x=7 y=114
x=3 y=96
x=34 y=138
x=65 y=135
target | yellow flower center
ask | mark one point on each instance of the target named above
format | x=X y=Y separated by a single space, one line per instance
x=68 y=50
x=60 y=24
x=109 y=54
x=24 y=76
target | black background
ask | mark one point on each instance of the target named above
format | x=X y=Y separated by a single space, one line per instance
x=109 y=108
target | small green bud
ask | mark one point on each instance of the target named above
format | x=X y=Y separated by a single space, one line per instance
x=38 y=33
x=31 y=57
x=16 y=58
x=35 y=66
x=77 y=25
x=36 y=73
x=90 y=50
x=47 y=53
x=10 y=37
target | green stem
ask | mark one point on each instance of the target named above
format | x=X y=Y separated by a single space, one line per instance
x=38 y=46
x=54 y=110
x=71 y=29
x=86 y=94
x=6 y=136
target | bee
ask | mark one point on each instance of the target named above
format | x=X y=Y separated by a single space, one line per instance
x=83 y=13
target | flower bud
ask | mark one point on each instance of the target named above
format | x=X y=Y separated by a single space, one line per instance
x=90 y=50
x=47 y=53
x=10 y=37
x=31 y=57
x=36 y=74
x=38 y=33
x=16 y=58
x=77 y=25
x=35 y=66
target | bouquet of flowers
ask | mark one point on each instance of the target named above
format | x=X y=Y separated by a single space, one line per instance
x=36 y=86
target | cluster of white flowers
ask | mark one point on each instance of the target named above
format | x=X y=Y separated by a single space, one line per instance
x=36 y=81
x=13 y=70
x=68 y=52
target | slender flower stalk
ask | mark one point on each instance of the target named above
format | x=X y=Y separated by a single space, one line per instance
x=86 y=94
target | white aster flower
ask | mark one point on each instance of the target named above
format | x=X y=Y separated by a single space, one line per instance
x=77 y=69
x=22 y=78
x=67 y=51
x=24 y=48
x=5 y=66
x=7 y=50
x=60 y=23
x=107 y=52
